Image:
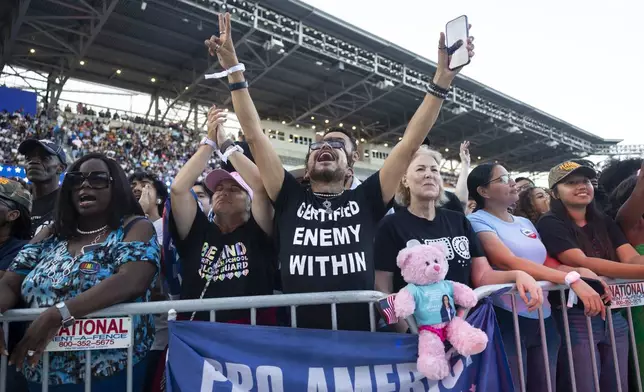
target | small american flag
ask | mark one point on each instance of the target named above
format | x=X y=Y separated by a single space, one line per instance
x=386 y=308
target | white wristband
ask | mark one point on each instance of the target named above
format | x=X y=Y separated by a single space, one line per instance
x=229 y=152
x=226 y=72
x=572 y=277
x=209 y=142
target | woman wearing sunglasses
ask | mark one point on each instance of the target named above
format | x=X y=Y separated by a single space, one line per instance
x=101 y=252
x=512 y=243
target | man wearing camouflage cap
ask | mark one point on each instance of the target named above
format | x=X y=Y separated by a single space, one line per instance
x=15 y=220
x=15 y=232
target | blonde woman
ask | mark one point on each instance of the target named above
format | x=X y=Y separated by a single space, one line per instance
x=421 y=192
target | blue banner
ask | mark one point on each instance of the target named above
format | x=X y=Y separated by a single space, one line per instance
x=13 y=100
x=217 y=357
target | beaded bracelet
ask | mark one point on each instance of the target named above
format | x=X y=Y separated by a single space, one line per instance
x=437 y=94
x=438 y=88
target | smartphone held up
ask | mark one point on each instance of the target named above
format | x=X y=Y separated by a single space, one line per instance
x=457 y=30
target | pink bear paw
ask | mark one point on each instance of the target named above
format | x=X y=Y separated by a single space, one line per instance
x=469 y=300
x=404 y=304
x=466 y=339
x=433 y=367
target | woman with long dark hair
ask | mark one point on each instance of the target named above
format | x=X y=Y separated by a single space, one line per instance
x=578 y=234
x=512 y=243
x=102 y=252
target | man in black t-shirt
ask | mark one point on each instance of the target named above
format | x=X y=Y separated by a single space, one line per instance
x=45 y=162
x=233 y=255
x=325 y=232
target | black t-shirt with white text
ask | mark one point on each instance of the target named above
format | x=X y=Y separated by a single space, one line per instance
x=42 y=212
x=244 y=266
x=321 y=252
x=450 y=229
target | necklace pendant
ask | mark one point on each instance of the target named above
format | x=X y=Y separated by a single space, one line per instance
x=327 y=204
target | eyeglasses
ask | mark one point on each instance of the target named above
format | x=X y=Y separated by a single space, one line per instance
x=95 y=180
x=337 y=144
x=504 y=179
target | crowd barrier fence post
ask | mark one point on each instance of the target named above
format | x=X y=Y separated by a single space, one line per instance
x=332 y=299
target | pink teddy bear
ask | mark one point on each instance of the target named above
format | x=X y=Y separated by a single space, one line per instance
x=431 y=300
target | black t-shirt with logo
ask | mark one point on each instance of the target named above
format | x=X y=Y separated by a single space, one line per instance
x=321 y=251
x=235 y=264
x=42 y=212
x=449 y=228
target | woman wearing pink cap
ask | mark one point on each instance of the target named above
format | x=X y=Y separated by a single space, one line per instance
x=232 y=255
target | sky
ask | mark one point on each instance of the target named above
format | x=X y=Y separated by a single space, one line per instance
x=574 y=59
x=577 y=60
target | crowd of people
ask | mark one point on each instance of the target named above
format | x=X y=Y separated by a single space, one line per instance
x=252 y=228
x=135 y=144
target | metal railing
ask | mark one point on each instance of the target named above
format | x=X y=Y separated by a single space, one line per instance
x=292 y=301
x=486 y=291
x=212 y=305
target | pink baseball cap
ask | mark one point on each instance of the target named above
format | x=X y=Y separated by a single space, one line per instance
x=218 y=175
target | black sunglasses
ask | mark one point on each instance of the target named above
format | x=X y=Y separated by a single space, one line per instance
x=333 y=143
x=95 y=180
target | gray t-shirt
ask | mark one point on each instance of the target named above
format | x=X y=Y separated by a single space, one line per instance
x=521 y=237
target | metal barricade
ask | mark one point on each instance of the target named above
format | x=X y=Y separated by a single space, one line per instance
x=212 y=305
x=486 y=291
x=292 y=301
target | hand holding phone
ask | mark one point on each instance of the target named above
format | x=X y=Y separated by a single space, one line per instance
x=457 y=34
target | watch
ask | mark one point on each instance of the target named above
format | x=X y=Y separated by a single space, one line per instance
x=572 y=277
x=68 y=319
x=209 y=142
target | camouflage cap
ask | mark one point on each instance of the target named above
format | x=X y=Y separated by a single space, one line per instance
x=563 y=170
x=14 y=191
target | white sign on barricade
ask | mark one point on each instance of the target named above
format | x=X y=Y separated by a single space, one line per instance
x=94 y=334
x=627 y=294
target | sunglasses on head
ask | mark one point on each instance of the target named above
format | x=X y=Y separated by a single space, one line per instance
x=333 y=143
x=95 y=180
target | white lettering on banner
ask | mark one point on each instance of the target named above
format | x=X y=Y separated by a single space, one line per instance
x=344 y=264
x=326 y=237
x=93 y=334
x=312 y=213
x=216 y=377
x=627 y=295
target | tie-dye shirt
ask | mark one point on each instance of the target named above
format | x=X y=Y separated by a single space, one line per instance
x=52 y=275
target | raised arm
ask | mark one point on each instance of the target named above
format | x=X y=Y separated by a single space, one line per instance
x=631 y=212
x=461 y=184
x=261 y=206
x=184 y=206
x=423 y=120
x=268 y=162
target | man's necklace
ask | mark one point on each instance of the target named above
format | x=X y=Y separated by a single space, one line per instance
x=327 y=203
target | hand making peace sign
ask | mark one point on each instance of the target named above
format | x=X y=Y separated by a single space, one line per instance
x=222 y=46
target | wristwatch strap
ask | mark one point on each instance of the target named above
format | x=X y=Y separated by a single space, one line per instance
x=64 y=312
x=225 y=146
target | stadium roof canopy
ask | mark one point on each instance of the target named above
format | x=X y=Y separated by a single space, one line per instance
x=304 y=66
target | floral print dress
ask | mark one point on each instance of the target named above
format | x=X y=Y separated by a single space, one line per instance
x=52 y=275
